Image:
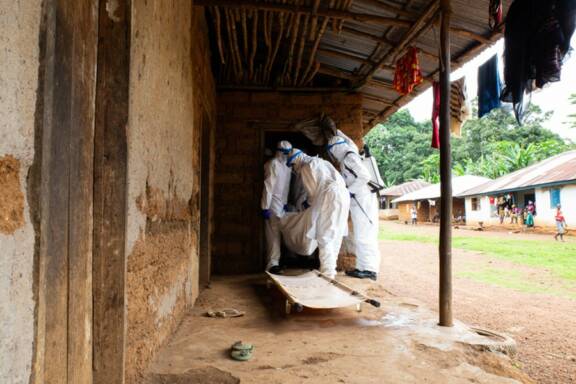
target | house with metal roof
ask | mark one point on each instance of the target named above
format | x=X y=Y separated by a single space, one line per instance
x=427 y=200
x=547 y=184
x=388 y=209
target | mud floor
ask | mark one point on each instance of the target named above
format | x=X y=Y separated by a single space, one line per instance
x=542 y=323
x=396 y=343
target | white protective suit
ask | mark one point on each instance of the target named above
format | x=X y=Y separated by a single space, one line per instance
x=274 y=198
x=329 y=204
x=363 y=206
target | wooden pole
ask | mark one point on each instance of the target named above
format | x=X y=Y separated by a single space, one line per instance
x=445 y=247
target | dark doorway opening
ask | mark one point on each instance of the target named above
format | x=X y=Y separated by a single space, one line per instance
x=529 y=197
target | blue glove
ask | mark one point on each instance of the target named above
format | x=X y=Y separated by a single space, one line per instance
x=352 y=195
x=267 y=214
x=286 y=207
x=305 y=204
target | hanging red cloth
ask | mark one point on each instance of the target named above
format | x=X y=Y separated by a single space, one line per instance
x=495 y=14
x=436 y=115
x=407 y=74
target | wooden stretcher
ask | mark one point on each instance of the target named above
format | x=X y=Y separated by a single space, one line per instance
x=317 y=291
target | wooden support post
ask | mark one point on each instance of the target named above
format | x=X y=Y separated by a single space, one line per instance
x=64 y=334
x=110 y=192
x=445 y=247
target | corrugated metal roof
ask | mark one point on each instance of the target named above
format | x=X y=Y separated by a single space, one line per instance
x=350 y=50
x=404 y=188
x=459 y=185
x=557 y=169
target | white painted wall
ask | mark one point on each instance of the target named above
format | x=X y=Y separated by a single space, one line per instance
x=483 y=215
x=19 y=31
x=545 y=213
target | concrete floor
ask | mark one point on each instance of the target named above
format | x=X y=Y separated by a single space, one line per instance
x=396 y=343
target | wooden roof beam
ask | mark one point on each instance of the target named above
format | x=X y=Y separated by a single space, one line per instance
x=417 y=28
x=288 y=8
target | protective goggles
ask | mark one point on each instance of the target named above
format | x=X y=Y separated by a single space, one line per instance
x=285 y=151
x=329 y=146
x=291 y=159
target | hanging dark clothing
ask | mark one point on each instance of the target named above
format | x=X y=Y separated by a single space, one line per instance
x=489 y=86
x=537 y=37
x=436 y=115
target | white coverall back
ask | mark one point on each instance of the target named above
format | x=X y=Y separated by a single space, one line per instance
x=329 y=204
x=363 y=207
x=274 y=197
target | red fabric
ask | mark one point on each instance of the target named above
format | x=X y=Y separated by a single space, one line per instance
x=495 y=13
x=436 y=115
x=407 y=74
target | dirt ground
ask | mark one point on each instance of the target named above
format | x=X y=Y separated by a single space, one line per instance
x=396 y=343
x=543 y=325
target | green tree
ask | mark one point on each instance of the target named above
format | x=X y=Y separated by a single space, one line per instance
x=431 y=168
x=400 y=145
x=500 y=125
x=492 y=146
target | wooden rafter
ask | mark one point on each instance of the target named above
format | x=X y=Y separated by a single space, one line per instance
x=412 y=34
x=335 y=14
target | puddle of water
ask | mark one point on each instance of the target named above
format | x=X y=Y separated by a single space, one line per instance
x=397 y=320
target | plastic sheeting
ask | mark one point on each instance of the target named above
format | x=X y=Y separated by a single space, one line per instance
x=296 y=228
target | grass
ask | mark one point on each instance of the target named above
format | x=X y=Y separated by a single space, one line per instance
x=557 y=257
x=517 y=281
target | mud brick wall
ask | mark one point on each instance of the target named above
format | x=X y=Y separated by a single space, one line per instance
x=243 y=117
x=171 y=93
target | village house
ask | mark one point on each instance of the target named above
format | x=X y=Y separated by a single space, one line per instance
x=388 y=209
x=547 y=183
x=427 y=200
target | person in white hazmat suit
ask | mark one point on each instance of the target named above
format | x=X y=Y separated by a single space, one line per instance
x=328 y=202
x=274 y=198
x=363 y=208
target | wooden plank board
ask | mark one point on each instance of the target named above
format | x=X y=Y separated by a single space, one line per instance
x=110 y=192
x=64 y=335
x=81 y=20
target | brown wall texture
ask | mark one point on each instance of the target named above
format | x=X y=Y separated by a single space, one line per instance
x=243 y=117
x=171 y=96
